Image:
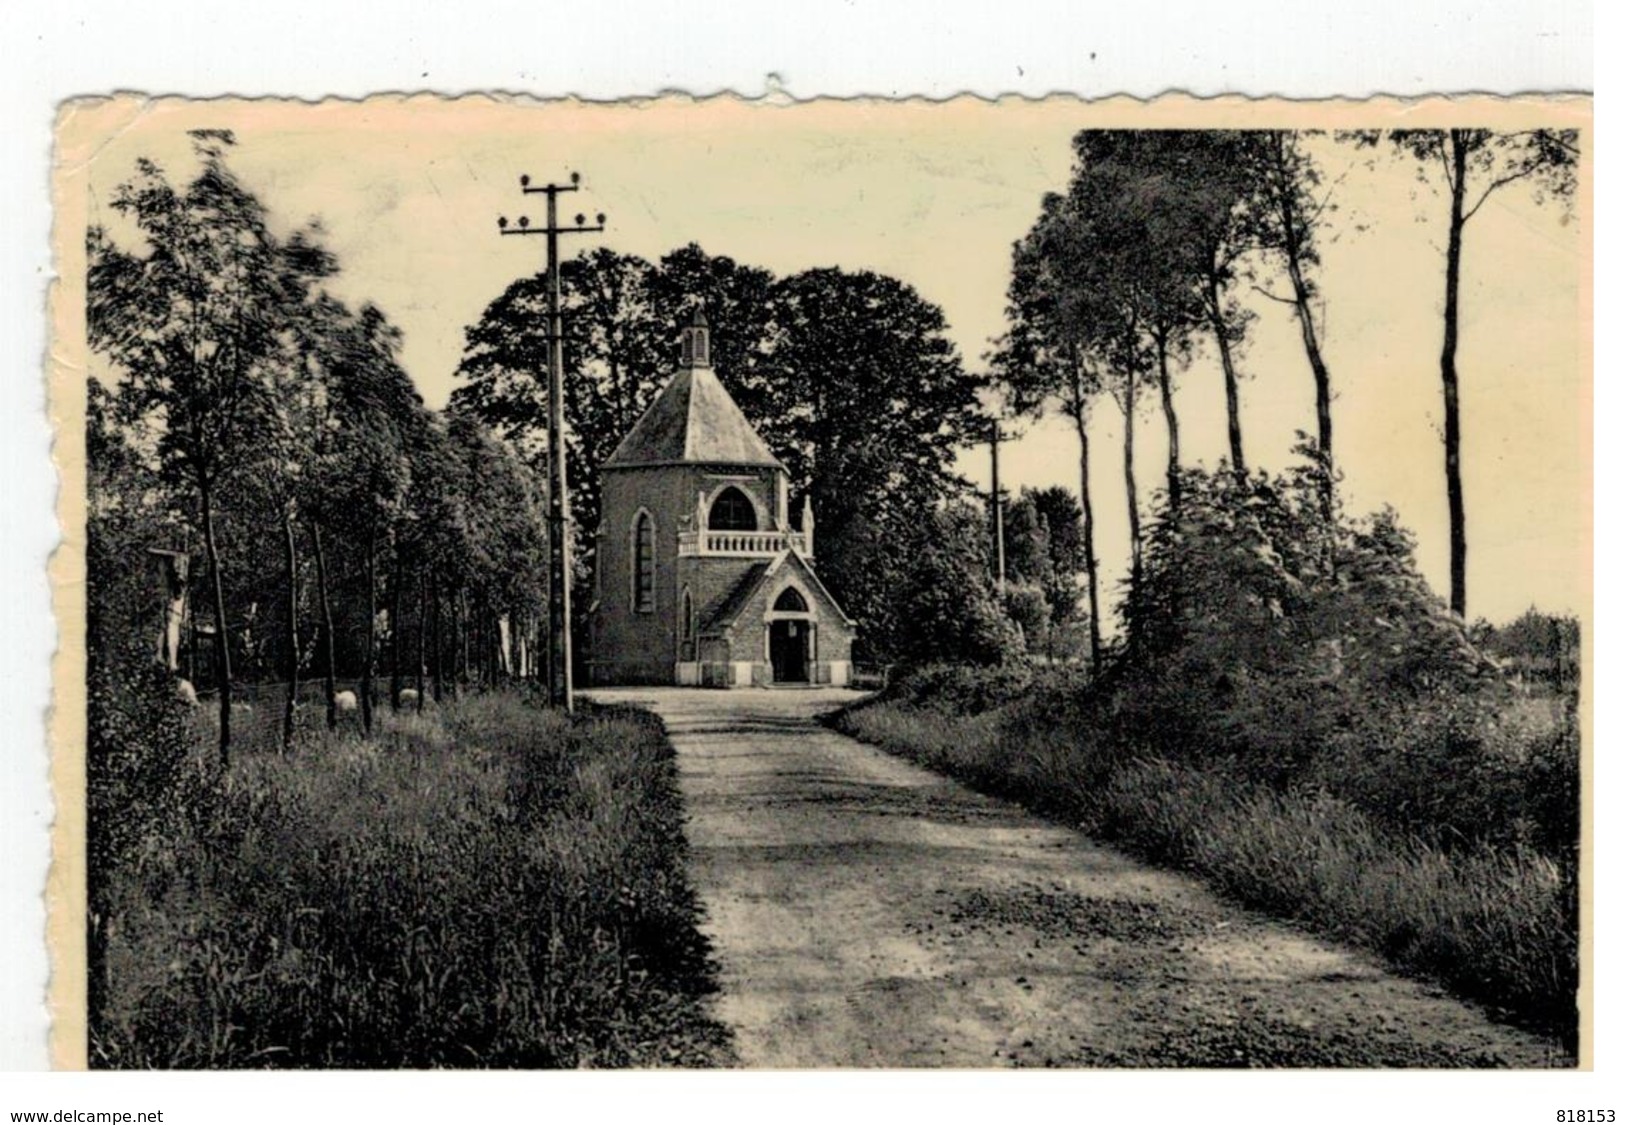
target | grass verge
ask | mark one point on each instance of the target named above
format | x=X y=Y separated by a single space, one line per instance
x=490 y=884
x=1493 y=923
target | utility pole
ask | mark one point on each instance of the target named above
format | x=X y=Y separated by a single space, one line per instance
x=998 y=510
x=560 y=680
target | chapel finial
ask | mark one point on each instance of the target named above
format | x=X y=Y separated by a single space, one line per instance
x=697 y=341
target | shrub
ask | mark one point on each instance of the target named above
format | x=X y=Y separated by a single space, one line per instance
x=1029 y=609
x=144 y=783
x=961 y=689
x=946 y=608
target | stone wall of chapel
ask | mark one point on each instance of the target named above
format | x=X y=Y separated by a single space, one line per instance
x=629 y=646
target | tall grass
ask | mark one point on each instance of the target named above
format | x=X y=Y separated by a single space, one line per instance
x=489 y=884
x=1494 y=922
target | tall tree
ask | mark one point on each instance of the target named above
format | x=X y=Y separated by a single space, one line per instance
x=1294 y=198
x=364 y=485
x=1473 y=165
x=501 y=559
x=868 y=402
x=1222 y=205
x=320 y=339
x=947 y=609
x=849 y=377
x=614 y=352
x=1044 y=548
x=190 y=320
x=1047 y=359
x=277 y=475
x=1152 y=223
x=1111 y=264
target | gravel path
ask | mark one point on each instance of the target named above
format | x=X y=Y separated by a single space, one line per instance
x=867 y=912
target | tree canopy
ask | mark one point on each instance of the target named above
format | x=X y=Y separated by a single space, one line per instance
x=250 y=405
x=848 y=375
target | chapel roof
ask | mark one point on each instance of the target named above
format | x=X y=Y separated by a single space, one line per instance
x=730 y=607
x=692 y=420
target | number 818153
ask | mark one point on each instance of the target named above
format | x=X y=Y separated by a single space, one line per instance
x=1585 y=1116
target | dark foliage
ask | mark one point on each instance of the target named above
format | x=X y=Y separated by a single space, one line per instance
x=848 y=375
x=942 y=598
x=1294 y=714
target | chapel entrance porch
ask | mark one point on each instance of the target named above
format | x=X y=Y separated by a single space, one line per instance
x=787 y=650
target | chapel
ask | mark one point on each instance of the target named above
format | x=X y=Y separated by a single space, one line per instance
x=701 y=578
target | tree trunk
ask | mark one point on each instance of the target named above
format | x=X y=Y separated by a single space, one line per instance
x=1232 y=393
x=423 y=629
x=468 y=626
x=1323 y=383
x=370 y=651
x=1165 y=385
x=491 y=643
x=473 y=644
x=459 y=645
x=329 y=680
x=439 y=650
x=1447 y=370
x=290 y=550
x=1295 y=251
x=1091 y=570
x=222 y=644
x=397 y=576
x=1130 y=487
x=544 y=644
x=494 y=629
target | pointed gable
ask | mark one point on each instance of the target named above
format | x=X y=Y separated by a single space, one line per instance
x=693 y=420
x=756 y=579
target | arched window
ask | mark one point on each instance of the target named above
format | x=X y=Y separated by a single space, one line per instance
x=688 y=616
x=790 y=601
x=643 y=563
x=732 y=511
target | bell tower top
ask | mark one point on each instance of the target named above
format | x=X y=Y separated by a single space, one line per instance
x=696 y=341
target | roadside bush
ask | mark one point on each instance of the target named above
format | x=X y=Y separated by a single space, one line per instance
x=1451 y=772
x=145 y=782
x=946 y=608
x=1293 y=714
x=1028 y=607
x=961 y=689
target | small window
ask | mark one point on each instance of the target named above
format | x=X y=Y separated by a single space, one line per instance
x=688 y=616
x=790 y=601
x=643 y=563
x=732 y=511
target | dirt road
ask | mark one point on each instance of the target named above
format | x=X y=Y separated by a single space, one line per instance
x=869 y=913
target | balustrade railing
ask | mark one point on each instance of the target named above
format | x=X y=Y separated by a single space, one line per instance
x=739 y=542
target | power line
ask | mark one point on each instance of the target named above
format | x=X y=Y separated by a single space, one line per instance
x=995 y=438
x=560 y=679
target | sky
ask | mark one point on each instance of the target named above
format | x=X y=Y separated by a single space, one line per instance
x=409 y=191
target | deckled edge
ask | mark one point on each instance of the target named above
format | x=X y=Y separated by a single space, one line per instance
x=66 y=363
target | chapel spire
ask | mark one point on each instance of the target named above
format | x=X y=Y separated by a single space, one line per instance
x=696 y=341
